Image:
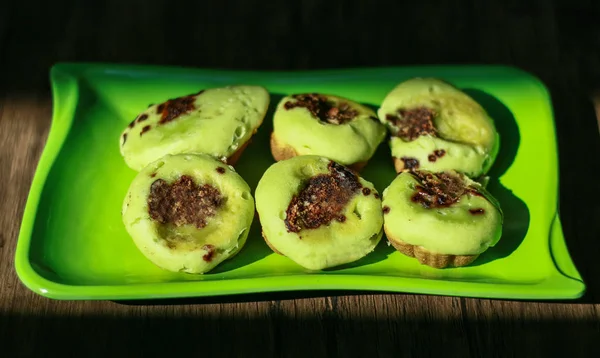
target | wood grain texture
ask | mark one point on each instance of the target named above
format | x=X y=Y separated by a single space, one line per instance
x=555 y=41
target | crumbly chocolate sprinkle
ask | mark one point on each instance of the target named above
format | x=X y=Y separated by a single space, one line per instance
x=438 y=153
x=366 y=191
x=322 y=199
x=124 y=138
x=413 y=123
x=477 y=211
x=144 y=130
x=142 y=118
x=410 y=163
x=220 y=170
x=376 y=196
x=386 y=209
x=183 y=202
x=210 y=254
x=175 y=107
x=322 y=108
x=438 y=190
x=132 y=123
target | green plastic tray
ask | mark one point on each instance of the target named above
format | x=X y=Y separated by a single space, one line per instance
x=73 y=245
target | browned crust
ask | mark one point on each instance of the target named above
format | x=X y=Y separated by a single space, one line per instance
x=232 y=159
x=357 y=167
x=269 y=244
x=283 y=151
x=429 y=258
x=398 y=164
x=280 y=151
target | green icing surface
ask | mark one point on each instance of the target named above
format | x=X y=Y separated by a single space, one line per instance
x=348 y=143
x=226 y=231
x=460 y=123
x=328 y=245
x=222 y=121
x=467 y=159
x=450 y=230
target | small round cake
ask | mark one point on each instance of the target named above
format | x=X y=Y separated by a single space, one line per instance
x=443 y=219
x=217 y=121
x=188 y=213
x=436 y=126
x=325 y=125
x=317 y=212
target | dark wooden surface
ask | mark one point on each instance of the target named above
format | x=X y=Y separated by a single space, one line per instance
x=557 y=41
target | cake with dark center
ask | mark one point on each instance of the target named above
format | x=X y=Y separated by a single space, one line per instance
x=325 y=125
x=188 y=213
x=217 y=121
x=443 y=219
x=436 y=126
x=317 y=212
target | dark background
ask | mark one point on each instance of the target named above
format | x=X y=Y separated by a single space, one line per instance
x=558 y=41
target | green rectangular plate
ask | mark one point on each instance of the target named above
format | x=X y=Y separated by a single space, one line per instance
x=72 y=243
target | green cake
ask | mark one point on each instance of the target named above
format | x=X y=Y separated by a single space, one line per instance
x=325 y=125
x=188 y=213
x=216 y=121
x=443 y=219
x=317 y=212
x=436 y=126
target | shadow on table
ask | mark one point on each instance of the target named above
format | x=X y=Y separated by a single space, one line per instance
x=516 y=213
x=277 y=332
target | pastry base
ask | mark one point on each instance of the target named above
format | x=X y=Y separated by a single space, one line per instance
x=282 y=152
x=398 y=164
x=429 y=258
x=232 y=159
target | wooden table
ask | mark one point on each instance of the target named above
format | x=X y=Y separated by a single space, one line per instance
x=557 y=43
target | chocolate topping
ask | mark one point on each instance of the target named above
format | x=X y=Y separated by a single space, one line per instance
x=438 y=153
x=220 y=170
x=144 y=130
x=410 y=163
x=142 y=118
x=183 y=202
x=322 y=199
x=322 y=108
x=413 y=123
x=366 y=191
x=174 y=108
x=478 y=211
x=210 y=254
x=124 y=138
x=386 y=209
x=438 y=190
